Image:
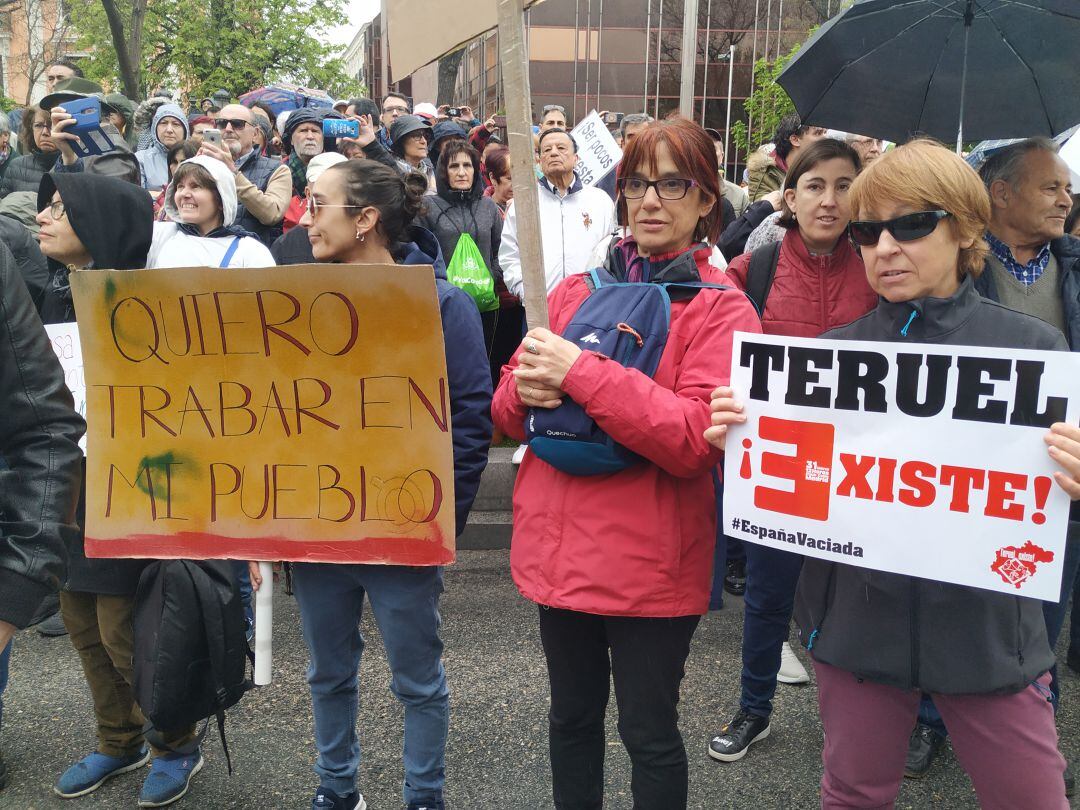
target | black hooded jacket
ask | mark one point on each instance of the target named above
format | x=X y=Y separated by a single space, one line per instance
x=115 y=221
x=112 y=218
x=450 y=213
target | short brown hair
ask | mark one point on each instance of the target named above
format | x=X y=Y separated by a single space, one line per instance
x=925 y=175
x=692 y=150
x=817 y=152
x=202 y=178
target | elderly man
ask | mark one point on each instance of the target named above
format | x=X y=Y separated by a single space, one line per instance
x=869 y=149
x=1033 y=267
x=263 y=185
x=574 y=218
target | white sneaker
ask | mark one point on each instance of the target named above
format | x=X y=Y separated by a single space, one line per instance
x=519 y=454
x=791 y=668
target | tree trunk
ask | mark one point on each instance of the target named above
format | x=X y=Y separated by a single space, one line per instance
x=128 y=49
x=448 y=69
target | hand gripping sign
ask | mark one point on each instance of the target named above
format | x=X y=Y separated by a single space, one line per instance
x=917 y=459
x=289 y=413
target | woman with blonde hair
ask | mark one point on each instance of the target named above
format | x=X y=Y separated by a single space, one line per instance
x=879 y=639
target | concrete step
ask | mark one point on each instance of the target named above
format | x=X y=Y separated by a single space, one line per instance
x=497 y=483
x=486 y=531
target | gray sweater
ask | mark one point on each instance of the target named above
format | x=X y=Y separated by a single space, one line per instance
x=455 y=213
x=915 y=633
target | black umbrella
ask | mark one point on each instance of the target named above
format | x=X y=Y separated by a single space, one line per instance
x=974 y=69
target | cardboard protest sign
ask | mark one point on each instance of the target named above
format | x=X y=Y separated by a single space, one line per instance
x=598 y=153
x=293 y=413
x=917 y=459
x=65 y=342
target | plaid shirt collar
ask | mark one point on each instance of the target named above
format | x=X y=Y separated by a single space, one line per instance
x=1025 y=273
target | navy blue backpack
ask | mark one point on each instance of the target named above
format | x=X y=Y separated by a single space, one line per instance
x=628 y=322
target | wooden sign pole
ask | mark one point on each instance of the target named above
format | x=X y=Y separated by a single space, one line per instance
x=514 y=55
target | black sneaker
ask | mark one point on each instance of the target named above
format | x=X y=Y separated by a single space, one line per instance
x=52 y=627
x=326 y=799
x=922 y=748
x=735 y=737
x=735 y=578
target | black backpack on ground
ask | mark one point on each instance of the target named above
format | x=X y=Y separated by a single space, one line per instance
x=191 y=650
x=760 y=274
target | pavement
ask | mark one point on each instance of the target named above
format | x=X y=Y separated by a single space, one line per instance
x=497 y=753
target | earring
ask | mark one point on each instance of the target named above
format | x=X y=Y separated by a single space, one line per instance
x=359 y=235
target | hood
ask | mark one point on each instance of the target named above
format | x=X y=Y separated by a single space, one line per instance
x=123 y=105
x=625 y=264
x=307 y=115
x=442 y=186
x=422 y=249
x=112 y=218
x=169 y=110
x=448 y=129
x=758 y=161
x=226 y=187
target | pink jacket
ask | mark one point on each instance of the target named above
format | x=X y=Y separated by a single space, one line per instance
x=637 y=542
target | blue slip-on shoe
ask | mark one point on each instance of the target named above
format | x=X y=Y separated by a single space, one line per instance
x=169 y=778
x=93 y=770
x=326 y=799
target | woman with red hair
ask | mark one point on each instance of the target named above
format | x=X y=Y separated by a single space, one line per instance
x=620 y=563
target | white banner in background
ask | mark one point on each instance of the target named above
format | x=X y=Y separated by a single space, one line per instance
x=598 y=153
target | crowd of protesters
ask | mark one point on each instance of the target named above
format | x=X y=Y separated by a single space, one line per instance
x=829 y=234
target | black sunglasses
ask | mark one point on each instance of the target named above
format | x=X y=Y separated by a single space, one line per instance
x=907 y=228
x=237 y=123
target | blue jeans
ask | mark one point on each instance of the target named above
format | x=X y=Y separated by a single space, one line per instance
x=771 y=578
x=5 y=657
x=405 y=601
x=727 y=548
x=1053 y=614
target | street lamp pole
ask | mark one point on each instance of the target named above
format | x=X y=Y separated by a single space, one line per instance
x=689 y=58
x=727 y=125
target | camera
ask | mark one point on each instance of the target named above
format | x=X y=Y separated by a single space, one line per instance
x=453 y=112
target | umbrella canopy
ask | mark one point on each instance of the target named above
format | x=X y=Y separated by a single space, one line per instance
x=897 y=68
x=287 y=97
x=982 y=151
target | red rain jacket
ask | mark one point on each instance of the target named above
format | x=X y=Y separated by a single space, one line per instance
x=638 y=542
x=811 y=294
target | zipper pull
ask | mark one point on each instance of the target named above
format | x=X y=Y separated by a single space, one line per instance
x=912 y=317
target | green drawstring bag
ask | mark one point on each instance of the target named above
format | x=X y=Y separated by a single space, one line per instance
x=468 y=271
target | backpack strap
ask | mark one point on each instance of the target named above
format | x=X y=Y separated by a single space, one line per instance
x=760 y=274
x=230 y=252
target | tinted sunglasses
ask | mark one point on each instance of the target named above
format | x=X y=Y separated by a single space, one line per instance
x=907 y=228
x=237 y=123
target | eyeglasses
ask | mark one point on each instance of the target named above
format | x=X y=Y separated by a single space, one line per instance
x=236 y=123
x=314 y=206
x=667 y=188
x=56 y=209
x=42 y=127
x=396 y=109
x=907 y=228
x=549 y=107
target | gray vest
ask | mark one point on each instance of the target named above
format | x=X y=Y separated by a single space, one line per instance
x=1041 y=298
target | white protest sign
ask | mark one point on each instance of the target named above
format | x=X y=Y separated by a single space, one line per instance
x=65 y=342
x=1070 y=153
x=918 y=459
x=598 y=153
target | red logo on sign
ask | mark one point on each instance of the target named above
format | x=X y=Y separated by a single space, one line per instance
x=1017 y=565
x=809 y=468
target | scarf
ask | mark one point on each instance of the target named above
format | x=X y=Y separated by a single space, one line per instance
x=299 y=174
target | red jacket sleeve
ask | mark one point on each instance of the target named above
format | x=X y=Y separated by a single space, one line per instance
x=667 y=425
x=738 y=270
x=508 y=412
